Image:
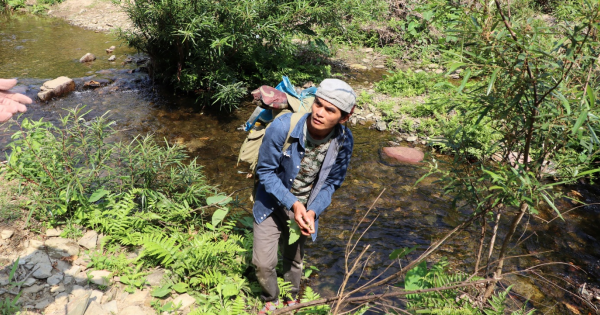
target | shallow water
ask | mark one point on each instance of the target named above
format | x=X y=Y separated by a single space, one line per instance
x=407 y=215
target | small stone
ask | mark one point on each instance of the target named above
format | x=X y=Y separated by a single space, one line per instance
x=36 y=257
x=58 y=288
x=55 y=279
x=379 y=66
x=78 y=306
x=100 y=277
x=79 y=291
x=6 y=234
x=58 y=306
x=423 y=142
x=155 y=277
x=33 y=289
x=89 y=239
x=3 y=279
x=368 y=50
x=433 y=66
x=81 y=278
x=185 y=300
x=357 y=66
x=411 y=138
x=366 y=60
x=68 y=280
x=111 y=307
x=439 y=71
x=42 y=304
x=381 y=126
x=29 y=282
x=43 y=271
x=61 y=247
x=404 y=154
x=455 y=76
x=418 y=71
x=95 y=309
x=112 y=47
x=112 y=58
x=89 y=57
x=72 y=271
x=53 y=232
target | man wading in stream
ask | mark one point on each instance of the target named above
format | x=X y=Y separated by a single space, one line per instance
x=297 y=184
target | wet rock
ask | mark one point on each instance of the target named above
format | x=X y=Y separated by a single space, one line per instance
x=53 y=232
x=89 y=57
x=89 y=239
x=43 y=271
x=61 y=247
x=100 y=277
x=55 y=279
x=6 y=234
x=381 y=126
x=112 y=58
x=55 y=88
x=357 y=66
x=95 y=309
x=185 y=300
x=404 y=154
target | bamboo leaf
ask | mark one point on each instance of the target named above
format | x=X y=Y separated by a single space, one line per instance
x=564 y=102
x=492 y=80
x=580 y=121
x=464 y=81
x=591 y=97
x=551 y=204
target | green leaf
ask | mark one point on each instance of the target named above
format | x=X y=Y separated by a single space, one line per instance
x=219 y=215
x=591 y=97
x=464 y=81
x=551 y=204
x=589 y=172
x=180 y=287
x=125 y=280
x=401 y=252
x=413 y=277
x=162 y=291
x=98 y=194
x=492 y=80
x=229 y=290
x=220 y=199
x=580 y=121
x=294 y=232
x=455 y=66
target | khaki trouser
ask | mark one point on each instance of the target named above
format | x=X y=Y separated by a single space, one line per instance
x=270 y=233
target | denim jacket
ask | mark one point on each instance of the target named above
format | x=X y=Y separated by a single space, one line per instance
x=276 y=170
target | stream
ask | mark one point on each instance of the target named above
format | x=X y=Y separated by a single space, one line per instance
x=36 y=49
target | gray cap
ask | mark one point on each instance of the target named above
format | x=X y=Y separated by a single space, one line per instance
x=338 y=93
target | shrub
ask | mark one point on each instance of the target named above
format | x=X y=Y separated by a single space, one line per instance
x=207 y=46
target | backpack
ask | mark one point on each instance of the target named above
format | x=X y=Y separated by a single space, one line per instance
x=257 y=124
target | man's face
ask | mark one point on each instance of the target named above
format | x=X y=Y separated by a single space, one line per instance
x=325 y=116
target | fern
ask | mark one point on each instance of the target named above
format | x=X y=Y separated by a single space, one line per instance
x=160 y=247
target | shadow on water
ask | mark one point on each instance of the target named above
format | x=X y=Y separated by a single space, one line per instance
x=408 y=215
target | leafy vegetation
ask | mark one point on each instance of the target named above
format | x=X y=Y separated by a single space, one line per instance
x=215 y=48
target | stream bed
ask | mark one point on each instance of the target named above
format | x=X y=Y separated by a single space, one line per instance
x=35 y=49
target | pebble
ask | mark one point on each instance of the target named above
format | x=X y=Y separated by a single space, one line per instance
x=53 y=232
x=43 y=271
x=42 y=304
x=55 y=279
x=100 y=277
x=381 y=126
x=58 y=288
x=33 y=289
x=6 y=234
x=411 y=138
x=3 y=279
x=89 y=239
x=29 y=282
x=112 y=58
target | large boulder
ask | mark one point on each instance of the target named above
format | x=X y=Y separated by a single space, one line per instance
x=55 y=88
x=404 y=154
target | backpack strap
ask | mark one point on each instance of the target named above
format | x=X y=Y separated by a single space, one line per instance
x=293 y=122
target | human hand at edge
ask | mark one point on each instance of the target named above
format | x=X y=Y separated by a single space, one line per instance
x=11 y=102
x=305 y=219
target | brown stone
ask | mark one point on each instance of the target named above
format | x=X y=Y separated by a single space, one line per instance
x=89 y=57
x=57 y=87
x=404 y=154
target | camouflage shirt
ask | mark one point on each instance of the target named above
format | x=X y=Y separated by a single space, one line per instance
x=310 y=166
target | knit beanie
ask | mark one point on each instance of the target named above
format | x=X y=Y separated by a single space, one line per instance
x=338 y=93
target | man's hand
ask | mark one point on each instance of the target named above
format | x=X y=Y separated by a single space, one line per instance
x=305 y=219
x=10 y=102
